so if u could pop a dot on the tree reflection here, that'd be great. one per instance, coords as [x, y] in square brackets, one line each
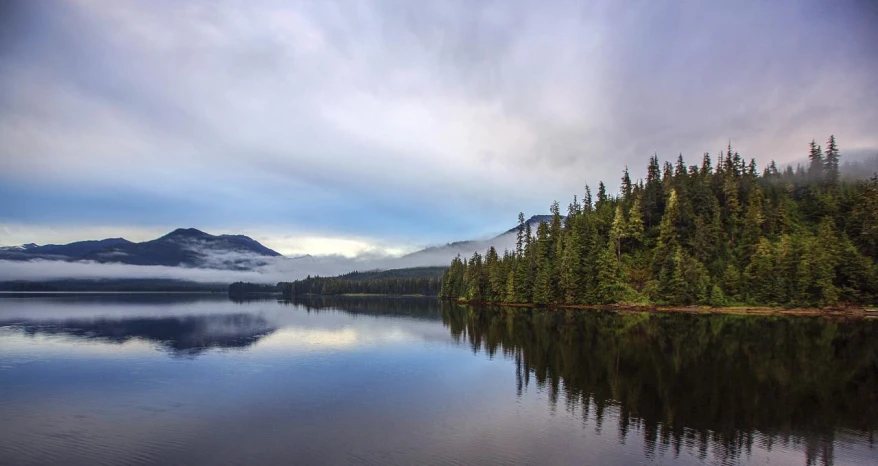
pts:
[694, 382]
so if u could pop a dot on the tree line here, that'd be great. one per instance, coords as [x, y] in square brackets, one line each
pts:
[695, 234]
[414, 281]
[243, 288]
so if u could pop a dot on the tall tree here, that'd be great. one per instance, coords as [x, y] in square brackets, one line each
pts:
[831, 164]
[815, 169]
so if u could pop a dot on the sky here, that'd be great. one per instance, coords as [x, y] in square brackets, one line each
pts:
[377, 128]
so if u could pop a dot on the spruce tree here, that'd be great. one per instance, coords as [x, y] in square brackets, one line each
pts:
[618, 230]
[816, 167]
[602, 196]
[625, 187]
[831, 163]
[609, 279]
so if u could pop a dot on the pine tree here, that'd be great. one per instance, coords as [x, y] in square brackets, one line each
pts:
[524, 271]
[519, 243]
[475, 279]
[634, 227]
[625, 187]
[510, 296]
[602, 195]
[672, 283]
[542, 290]
[830, 166]
[706, 165]
[668, 239]
[609, 278]
[754, 219]
[732, 283]
[760, 275]
[618, 230]
[587, 205]
[653, 194]
[815, 169]
[570, 274]
[496, 278]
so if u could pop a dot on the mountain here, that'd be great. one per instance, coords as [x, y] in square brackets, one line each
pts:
[23, 247]
[187, 247]
[442, 255]
[534, 222]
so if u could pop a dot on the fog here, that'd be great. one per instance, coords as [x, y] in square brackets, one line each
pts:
[261, 269]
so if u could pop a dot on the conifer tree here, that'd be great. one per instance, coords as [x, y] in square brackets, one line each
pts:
[587, 205]
[688, 235]
[519, 242]
[625, 187]
[831, 164]
[815, 169]
[668, 238]
[609, 278]
[571, 273]
[602, 195]
[653, 194]
[496, 278]
[634, 226]
[760, 275]
[618, 230]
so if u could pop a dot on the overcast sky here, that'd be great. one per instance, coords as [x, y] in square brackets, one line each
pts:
[355, 126]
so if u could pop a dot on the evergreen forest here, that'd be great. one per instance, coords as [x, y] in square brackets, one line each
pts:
[716, 235]
[412, 281]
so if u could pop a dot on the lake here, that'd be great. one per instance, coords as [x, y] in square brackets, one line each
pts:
[202, 379]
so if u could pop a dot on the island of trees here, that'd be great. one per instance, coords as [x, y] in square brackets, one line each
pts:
[695, 234]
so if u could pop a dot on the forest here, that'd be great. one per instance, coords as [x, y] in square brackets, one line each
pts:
[718, 235]
[424, 281]
[244, 288]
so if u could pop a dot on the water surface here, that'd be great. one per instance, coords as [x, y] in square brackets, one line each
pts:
[201, 379]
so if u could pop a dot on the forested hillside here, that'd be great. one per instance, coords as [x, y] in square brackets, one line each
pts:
[411, 281]
[695, 234]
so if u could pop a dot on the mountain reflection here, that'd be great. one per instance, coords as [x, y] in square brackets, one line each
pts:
[693, 381]
[180, 335]
[167, 320]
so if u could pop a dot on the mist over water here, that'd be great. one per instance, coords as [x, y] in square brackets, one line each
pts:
[260, 269]
[201, 379]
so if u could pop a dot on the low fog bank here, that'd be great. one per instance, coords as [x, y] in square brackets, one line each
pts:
[863, 165]
[264, 269]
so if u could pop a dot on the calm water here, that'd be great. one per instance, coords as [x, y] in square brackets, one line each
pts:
[186, 379]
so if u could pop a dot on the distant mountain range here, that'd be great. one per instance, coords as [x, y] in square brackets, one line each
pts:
[442, 255]
[186, 247]
[189, 247]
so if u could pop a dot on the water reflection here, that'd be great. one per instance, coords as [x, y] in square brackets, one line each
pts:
[180, 336]
[191, 324]
[718, 382]
[402, 381]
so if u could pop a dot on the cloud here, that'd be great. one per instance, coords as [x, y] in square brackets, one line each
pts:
[407, 122]
[214, 266]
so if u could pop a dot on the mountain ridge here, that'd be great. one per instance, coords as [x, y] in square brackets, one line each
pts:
[188, 247]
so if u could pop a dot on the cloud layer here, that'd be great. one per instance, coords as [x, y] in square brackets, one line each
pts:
[388, 125]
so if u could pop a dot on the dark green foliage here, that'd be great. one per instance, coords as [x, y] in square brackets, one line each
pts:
[696, 235]
[244, 288]
[113, 284]
[425, 281]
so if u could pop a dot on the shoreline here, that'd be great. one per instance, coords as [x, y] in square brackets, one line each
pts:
[849, 311]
